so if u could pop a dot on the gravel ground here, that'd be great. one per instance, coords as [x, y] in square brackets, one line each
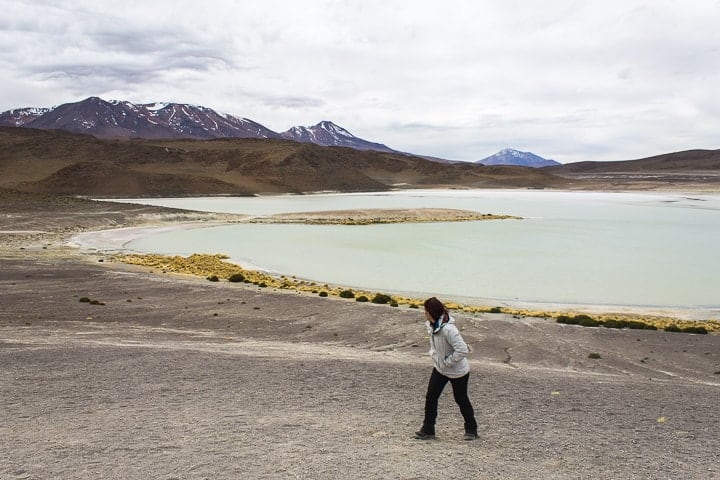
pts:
[179, 378]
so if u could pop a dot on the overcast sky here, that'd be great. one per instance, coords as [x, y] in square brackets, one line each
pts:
[567, 80]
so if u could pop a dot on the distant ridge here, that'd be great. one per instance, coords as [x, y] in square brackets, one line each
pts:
[688, 160]
[509, 156]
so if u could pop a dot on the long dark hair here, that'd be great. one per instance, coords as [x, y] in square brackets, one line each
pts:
[437, 310]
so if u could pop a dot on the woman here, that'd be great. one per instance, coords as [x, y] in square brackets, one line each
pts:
[448, 351]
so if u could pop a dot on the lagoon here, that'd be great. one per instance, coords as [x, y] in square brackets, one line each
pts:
[657, 250]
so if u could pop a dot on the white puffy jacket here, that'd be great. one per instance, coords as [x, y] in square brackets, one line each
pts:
[448, 350]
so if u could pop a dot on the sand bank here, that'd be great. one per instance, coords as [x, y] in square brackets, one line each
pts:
[380, 216]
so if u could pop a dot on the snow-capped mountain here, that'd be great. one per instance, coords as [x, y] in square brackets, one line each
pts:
[19, 117]
[119, 119]
[509, 156]
[328, 134]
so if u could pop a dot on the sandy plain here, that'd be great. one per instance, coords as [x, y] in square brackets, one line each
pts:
[171, 376]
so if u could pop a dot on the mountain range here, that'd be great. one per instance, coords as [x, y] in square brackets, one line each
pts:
[300, 159]
[120, 119]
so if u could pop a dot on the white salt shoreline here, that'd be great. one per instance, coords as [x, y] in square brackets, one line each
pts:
[116, 240]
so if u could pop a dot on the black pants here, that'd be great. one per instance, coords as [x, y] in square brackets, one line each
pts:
[435, 387]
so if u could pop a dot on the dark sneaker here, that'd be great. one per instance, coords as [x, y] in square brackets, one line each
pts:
[420, 435]
[470, 436]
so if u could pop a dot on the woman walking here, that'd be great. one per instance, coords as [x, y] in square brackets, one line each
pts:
[448, 351]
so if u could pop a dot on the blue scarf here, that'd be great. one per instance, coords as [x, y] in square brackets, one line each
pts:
[441, 322]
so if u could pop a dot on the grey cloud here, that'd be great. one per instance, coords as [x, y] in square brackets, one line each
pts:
[421, 126]
[195, 60]
[71, 41]
[85, 80]
[104, 69]
[125, 73]
[163, 45]
[294, 102]
[136, 42]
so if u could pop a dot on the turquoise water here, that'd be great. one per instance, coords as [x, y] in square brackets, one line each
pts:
[658, 250]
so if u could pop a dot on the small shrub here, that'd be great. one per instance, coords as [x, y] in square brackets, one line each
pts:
[236, 277]
[394, 304]
[613, 324]
[381, 298]
[594, 356]
[362, 298]
[566, 320]
[96, 302]
[323, 294]
[347, 294]
[586, 321]
[582, 320]
[414, 306]
[634, 325]
[262, 284]
[672, 328]
[496, 310]
[213, 278]
[698, 330]
[84, 300]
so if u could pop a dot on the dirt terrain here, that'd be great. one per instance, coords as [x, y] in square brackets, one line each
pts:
[162, 376]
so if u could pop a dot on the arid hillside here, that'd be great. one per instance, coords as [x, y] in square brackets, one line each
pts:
[58, 162]
[689, 160]
[691, 169]
[64, 163]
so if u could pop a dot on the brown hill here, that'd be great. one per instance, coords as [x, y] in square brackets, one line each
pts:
[63, 163]
[689, 161]
[691, 170]
[110, 179]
